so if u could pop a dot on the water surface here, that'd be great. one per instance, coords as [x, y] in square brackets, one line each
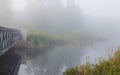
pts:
[57, 60]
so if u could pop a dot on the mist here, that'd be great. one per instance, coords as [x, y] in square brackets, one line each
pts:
[53, 16]
[96, 18]
[102, 17]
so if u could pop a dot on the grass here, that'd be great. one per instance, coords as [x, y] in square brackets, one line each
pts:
[39, 38]
[109, 66]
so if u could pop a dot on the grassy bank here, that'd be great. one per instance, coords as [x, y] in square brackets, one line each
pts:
[41, 39]
[110, 66]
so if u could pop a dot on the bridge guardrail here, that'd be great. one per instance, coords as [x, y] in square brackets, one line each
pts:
[8, 38]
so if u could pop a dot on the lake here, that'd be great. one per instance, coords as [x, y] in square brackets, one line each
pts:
[56, 60]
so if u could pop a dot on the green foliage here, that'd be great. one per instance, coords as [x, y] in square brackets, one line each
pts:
[39, 38]
[104, 67]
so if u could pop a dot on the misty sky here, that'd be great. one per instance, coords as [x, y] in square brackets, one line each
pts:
[97, 17]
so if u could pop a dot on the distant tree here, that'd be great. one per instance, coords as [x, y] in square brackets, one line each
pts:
[52, 16]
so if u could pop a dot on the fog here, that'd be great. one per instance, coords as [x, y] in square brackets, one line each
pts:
[98, 18]
[51, 16]
[103, 17]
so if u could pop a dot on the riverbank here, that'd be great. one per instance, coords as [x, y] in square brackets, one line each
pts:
[109, 66]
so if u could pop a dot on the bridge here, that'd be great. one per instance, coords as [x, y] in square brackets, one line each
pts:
[9, 64]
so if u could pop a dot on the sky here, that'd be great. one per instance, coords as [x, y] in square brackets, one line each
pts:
[100, 7]
[96, 17]
[89, 7]
[18, 5]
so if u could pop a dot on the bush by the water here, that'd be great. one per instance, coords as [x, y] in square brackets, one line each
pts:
[40, 39]
[109, 66]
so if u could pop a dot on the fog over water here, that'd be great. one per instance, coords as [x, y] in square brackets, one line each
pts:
[99, 18]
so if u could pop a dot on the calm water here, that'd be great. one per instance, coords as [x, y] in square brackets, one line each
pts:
[57, 60]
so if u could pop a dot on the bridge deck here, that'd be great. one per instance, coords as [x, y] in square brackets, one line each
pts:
[9, 62]
[9, 65]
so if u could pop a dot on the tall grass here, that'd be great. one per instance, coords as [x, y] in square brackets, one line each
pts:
[40, 38]
[109, 66]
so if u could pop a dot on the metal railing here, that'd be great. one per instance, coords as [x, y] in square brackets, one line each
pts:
[8, 38]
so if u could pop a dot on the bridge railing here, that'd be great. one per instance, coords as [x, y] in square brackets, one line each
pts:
[8, 38]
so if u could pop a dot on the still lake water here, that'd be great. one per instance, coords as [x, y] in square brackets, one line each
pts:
[57, 60]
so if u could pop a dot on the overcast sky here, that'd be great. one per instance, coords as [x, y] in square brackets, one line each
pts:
[101, 17]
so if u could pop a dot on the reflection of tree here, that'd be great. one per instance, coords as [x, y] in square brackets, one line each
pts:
[51, 15]
[51, 61]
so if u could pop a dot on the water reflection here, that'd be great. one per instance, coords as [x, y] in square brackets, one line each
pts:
[57, 60]
[23, 71]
